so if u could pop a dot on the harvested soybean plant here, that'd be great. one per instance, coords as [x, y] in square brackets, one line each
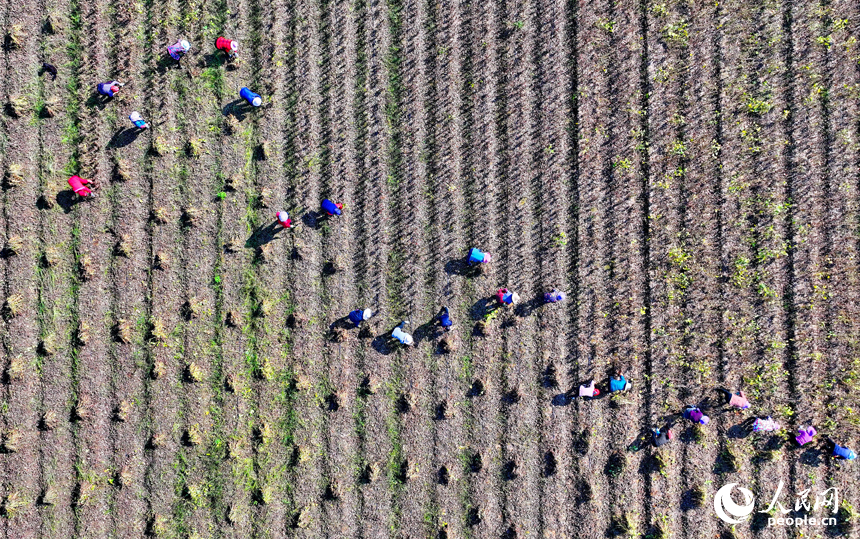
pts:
[429, 269]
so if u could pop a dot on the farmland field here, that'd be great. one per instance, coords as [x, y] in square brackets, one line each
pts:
[687, 171]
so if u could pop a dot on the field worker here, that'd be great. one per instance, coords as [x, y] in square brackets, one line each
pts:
[617, 382]
[229, 46]
[358, 316]
[284, 219]
[765, 425]
[401, 335]
[805, 434]
[506, 297]
[589, 391]
[477, 256]
[694, 414]
[662, 437]
[738, 400]
[445, 318]
[554, 296]
[78, 186]
[253, 99]
[138, 120]
[109, 88]
[842, 452]
[331, 208]
[178, 49]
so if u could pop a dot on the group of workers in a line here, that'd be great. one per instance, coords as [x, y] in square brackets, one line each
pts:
[176, 51]
[475, 256]
[662, 436]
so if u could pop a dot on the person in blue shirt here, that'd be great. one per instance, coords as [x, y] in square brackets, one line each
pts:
[477, 256]
[331, 208]
[360, 315]
[617, 382]
[445, 319]
[842, 452]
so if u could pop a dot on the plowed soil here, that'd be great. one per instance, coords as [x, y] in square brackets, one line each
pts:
[687, 172]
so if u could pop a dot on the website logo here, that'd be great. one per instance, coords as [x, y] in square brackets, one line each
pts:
[724, 505]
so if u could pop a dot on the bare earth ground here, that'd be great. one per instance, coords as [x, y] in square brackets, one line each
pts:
[686, 171]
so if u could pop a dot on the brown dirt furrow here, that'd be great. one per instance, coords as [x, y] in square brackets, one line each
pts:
[382, 498]
[599, 236]
[56, 449]
[275, 291]
[241, 360]
[844, 285]
[623, 303]
[198, 183]
[313, 373]
[129, 215]
[516, 472]
[556, 186]
[167, 294]
[19, 334]
[449, 117]
[701, 322]
[413, 229]
[482, 82]
[813, 266]
[91, 407]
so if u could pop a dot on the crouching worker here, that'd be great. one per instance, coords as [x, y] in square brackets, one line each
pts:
[738, 400]
[229, 46]
[138, 120]
[553, 297]
[359, 315]
[178, 49]
[477, 256]
[661, 437]
[617, 382]
[284, 219]
[506, 297]
[765, 425]
[445, 319]
[694, 414]
[842, 452]
[805, 435]
[79, 184]
[588, 391]
[401, 335]
[331, 208]
[109, 88]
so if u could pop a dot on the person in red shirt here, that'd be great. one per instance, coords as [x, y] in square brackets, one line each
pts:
[79, 184]
[284, 219]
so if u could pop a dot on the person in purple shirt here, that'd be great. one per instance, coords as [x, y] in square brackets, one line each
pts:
[694, 414]
[109, 88]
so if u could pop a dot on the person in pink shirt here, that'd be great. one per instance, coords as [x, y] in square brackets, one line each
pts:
[79, 186]
[738, 400]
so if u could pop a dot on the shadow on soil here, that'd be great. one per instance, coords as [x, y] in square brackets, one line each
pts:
[68, 199]
[123, 137]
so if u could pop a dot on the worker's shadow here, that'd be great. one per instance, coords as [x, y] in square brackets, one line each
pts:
[314, 219]
[427, 331]
[460, 266]
[527, 308]
[68, 199]
[238, 108]
[739, 431]
[385, 343]
[484, 307]
[123, 137]
[166, 62]
[263, 235]
[97, 101]
[642, 440]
